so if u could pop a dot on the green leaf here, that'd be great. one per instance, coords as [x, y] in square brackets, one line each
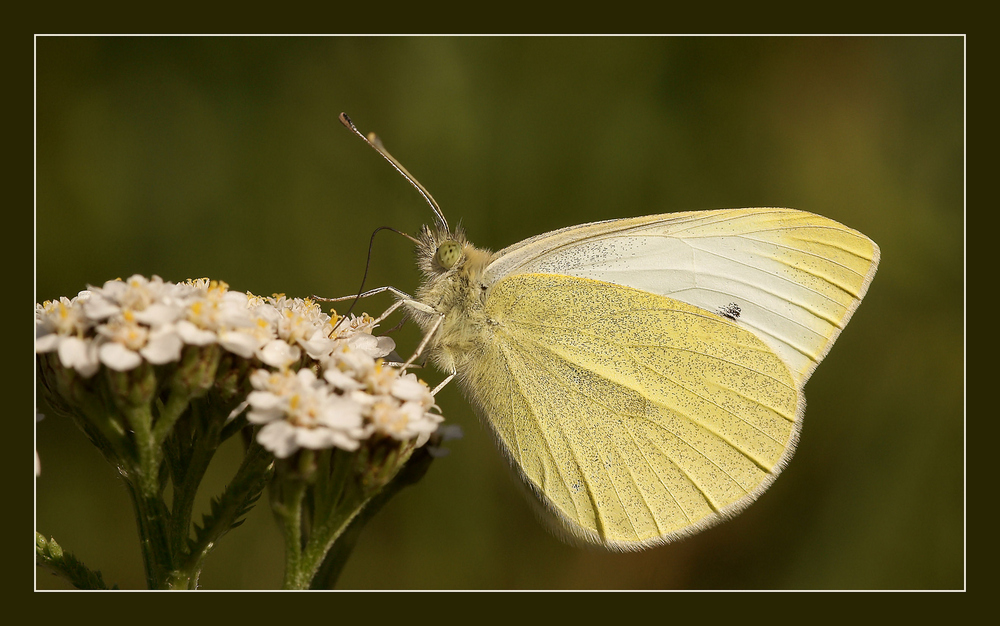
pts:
[51, 556]
[226, 512]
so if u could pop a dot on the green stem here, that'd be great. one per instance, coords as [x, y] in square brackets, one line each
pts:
[332, 477]
[291, 512]
[176, 404]
[323, 538]
[151, 518]
[184, 496]
[140, 419]
[205, 442]
[154, 517]
[336, 558]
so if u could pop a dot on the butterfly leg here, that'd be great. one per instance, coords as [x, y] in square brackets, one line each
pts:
[370, 292]
[389, 311]
[403, 298]
[423, 308]
[407, 300]
[444, 382]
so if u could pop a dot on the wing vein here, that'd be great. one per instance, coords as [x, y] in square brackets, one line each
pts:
[595, 336]
[603, 458]
[589, 487]
[643, 417]
[645, 458]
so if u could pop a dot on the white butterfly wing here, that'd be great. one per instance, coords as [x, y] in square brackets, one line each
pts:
[796, 277]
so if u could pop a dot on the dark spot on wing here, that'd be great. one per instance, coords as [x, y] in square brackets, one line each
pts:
[731, 310]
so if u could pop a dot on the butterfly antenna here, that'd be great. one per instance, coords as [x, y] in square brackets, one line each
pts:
[376, 143]
[368, 263]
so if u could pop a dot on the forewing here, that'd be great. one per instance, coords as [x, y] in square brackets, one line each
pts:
[795, 277]
[635, 417]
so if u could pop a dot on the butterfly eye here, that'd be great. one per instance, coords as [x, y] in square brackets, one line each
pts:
[448, 254]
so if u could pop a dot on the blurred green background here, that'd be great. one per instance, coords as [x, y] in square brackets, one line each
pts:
[223, 157]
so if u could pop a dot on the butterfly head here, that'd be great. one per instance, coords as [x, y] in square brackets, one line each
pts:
[448, 254]
[442, 254]
[440, 250]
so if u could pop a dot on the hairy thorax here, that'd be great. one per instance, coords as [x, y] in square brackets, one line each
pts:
[460, 295]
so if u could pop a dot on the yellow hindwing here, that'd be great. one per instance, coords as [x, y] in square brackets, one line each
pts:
[636, 417]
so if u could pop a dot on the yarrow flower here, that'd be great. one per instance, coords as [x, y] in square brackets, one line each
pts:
[323, 383]
[123, 323]
[396, 404]
[61, 326]
[300, 411]
[357, 397]
[160, 374]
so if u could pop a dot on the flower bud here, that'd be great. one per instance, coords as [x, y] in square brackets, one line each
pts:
[132, 388]
[197, 369]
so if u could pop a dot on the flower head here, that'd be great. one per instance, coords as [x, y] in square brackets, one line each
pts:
[300, 411]
[62, 326]
[341, 393]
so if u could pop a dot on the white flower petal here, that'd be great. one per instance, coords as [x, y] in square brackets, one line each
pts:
[88, 363]
[194, 336]
[279, 438]
[361, 397]
[358, 362]
[277, 353]
[235, 298]
[409, 388]
[260, 379]
[344, 442]
[163, 347]
[78, 354]
[240, 344]
[319, 345]
[264, 416]
[384, 346]
[158, 314]
[363, 342]
[306, 377]
[47, 343]
[268, 313]
[264, 400]
[341, 413]
[340, 380]
[111, 289]
[118, 357]
[314, 438]
[99, 308]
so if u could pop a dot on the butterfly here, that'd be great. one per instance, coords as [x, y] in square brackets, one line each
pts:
[643, 376]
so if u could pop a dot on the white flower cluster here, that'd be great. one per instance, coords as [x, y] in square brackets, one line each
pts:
[123, 323]
[355, 398]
